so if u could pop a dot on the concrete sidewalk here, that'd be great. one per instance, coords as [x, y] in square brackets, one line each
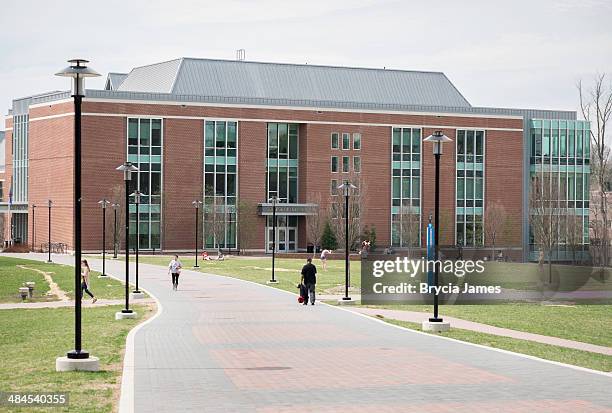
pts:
[226, 345]
[58, 304]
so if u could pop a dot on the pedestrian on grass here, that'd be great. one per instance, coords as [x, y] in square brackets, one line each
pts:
[309, 280]
[324, 255]
[85, 280]
[174, 269]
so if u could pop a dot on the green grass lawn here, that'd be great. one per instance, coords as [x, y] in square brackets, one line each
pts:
[586, 323]
[11, 278]
[32, 339]
[561, 354]
[287, 271]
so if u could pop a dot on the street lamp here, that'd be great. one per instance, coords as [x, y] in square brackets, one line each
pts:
[78, 71]
[346, 189]
[274, 201]
[137, 194]
[33, 228]
[49, 205]
[127, 168]
[104, 203]
[438, 138]
[115, 206]
[196, 205]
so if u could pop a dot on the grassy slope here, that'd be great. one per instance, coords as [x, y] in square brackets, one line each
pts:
[564, 355]
[32, 339]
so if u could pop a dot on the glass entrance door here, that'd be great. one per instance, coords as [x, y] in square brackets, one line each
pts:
[286, 236]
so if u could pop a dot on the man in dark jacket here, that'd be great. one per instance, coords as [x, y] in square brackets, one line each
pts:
[309, 280]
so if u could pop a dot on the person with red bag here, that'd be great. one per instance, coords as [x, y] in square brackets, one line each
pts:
[308, 282]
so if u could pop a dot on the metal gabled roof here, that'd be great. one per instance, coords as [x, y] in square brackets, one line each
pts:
[257, 80]
[114, 80]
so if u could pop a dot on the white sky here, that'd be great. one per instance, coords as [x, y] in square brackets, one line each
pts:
[511, 53]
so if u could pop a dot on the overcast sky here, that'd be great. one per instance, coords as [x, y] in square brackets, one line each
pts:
[511, 53]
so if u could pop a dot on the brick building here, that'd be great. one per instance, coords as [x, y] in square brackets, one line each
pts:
[234, 133]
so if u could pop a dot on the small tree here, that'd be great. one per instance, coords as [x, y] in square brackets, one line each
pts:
[409, 225]
[572, 232]
[315, 224]
[338, 211]
[215, 215]
[495, 221]
[328, 239]
[546, 214]
[247, 224]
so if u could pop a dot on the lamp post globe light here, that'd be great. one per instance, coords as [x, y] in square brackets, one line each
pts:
[78, 71]
[346, 188]
[196, 206]
[127, 168]
[104, 203]
[274, 201]
[436, 323]
[49, 205]
[115, 207]
[137, 194]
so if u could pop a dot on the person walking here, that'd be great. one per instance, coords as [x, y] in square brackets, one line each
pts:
[85, 280]
[324, 255]
[309, 280]
[174, 269]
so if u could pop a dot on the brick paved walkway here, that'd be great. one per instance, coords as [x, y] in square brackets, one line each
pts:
[225, 345]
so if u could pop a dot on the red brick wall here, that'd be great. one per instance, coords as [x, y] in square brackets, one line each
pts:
[51, 177]
[104, 140]
[182, 180]
[252, 143]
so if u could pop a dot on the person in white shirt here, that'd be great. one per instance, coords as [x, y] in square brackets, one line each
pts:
[174, 269]
[324, 255]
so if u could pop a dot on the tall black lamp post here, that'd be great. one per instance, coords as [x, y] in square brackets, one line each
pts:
[438, 138]
[33, 228]
[115, 207]
[137, 194]
[49, 205]
[127, 168]
[196, 206]
[103, 203]
[78, 71]
[346, 190]
[274, 201]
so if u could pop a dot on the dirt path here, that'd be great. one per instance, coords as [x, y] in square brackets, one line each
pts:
[53, 287]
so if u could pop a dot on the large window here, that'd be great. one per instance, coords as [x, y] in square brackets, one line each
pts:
[220, 183]
[406, 187]
[560, 157]
[470, 187]
[282, 162]
[334, 140]
[145, 151]
[20, 158]
[346, 141]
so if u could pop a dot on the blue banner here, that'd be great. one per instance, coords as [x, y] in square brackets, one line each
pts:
[430, 252]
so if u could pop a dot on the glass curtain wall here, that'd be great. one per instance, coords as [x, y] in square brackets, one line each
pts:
[20, 158]
[145, 143]
[470, 187]
[220, 183]
[560, 156]
[406, 187]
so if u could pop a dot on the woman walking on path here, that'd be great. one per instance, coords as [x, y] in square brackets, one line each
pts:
[85, 280]
[174, 268]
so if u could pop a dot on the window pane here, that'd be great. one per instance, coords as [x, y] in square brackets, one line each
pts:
[231, 134]
[346, 141]
[479, 142]
[397, 140]
[460, 188]
[345, 164]
[415, 187]
[155, 184]
[231, 184]
[210, 134]
[357, 164]
[334, 140]
[396, 187]
[145, 132]
[272, 140]
[133, 132]
[405, 187]
[469, 188]
[283, 141]
[478, 194]
[334, 164]
[293, 146]
[406, 144]
[156, 132]
[220, 135]
[469, 137]
[220, 184]
[461, 142]
[416, 141]
[356, 141]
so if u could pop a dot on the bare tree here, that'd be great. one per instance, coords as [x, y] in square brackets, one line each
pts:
[117, 196]
[495, 221]
[572, 231]
[409, 227]
[596, 107]
[247, 224]
[315, 224]
[215, 216]
[546, 214]
[355, 208]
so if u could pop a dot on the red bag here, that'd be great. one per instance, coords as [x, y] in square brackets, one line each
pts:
[300, 299]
